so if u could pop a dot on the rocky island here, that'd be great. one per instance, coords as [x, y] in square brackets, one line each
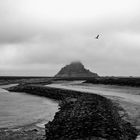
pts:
[75, 69]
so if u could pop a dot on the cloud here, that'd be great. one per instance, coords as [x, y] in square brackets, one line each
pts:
[37, 37]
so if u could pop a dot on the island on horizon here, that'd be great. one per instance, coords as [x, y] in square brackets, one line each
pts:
[75, 69]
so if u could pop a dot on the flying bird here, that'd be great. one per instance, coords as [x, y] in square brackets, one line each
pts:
[97, 37]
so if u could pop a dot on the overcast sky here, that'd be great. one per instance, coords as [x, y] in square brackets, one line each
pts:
[38, 37]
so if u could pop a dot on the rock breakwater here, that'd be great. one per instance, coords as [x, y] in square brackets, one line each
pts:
[82, 115]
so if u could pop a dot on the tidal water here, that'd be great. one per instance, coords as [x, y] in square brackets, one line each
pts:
[19, 109]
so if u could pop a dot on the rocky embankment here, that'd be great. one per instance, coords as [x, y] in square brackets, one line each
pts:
[83, 116]
[134, 82]
[5, 80]
[49, 92]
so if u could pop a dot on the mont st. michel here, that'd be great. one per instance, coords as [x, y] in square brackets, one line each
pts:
[75, 69]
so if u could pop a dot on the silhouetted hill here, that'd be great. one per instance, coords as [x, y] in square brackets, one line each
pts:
[75, 69]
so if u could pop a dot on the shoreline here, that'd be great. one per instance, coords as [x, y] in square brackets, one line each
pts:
[29, 131]
[34, 131]
[132, 107]
[56, 93]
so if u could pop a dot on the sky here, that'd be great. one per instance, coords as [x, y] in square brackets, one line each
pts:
[38, 37]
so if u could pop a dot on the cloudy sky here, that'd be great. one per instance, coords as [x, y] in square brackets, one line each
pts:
[38, 37]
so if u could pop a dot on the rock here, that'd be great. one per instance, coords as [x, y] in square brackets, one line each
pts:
[75, 69]
[90, 117]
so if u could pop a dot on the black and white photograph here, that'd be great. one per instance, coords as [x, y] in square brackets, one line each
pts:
[69, 69]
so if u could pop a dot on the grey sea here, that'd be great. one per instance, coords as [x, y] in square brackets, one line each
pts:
[19, 109]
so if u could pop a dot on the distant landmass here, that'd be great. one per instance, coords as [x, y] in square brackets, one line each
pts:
[75, 69]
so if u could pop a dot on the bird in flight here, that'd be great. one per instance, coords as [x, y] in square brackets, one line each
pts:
[97, 37]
